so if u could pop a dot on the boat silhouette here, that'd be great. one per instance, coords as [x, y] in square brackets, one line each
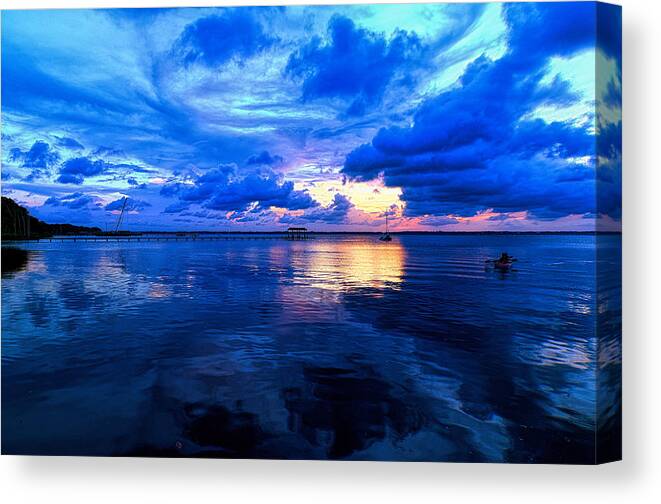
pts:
[386, 236]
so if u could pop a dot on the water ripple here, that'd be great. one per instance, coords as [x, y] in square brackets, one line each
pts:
[338, 347]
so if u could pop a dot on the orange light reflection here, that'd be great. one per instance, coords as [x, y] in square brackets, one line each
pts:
[350, 264]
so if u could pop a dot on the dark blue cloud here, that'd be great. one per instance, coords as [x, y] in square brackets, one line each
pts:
[222, 189]
[39, 158]
[72, 201]
[66, 178]
[133, 182]
[613, 94]
[83, 166]
[507, 185]
[264, 158]
[40, 155]
[474, 147]
[609, 141]
[335, 213]
[266, 190]
[170, 189]
[540, 30]
[609, 135]
[204, 186]
[131, 204]
[236, 34]
[74, 170]
[356, 64]
[609, 30]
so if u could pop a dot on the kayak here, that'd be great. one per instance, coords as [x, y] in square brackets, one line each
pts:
[503, 263]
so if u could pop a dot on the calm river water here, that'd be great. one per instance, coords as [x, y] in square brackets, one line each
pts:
[339, 347]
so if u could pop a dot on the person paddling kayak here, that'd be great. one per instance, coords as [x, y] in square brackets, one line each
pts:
[504, 262]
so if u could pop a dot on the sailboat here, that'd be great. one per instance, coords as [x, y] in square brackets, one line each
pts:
[122, 217]
[386, 236]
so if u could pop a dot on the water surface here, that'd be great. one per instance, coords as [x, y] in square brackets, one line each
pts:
[340, 347]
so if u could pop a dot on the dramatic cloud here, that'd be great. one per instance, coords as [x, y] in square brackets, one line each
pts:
[221, 189]
[131, 205]
[66, 178]
[39, 158]
[73, 201]
[355, 64]
[477, 147]
[40, 155]
[609, 108]
[609, 34]
[235, 34]
[74, 170]
[337, 212]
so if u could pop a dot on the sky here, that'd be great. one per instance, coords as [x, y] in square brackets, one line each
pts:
[449, 117]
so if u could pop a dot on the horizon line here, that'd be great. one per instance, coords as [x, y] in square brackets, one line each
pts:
[587, 232]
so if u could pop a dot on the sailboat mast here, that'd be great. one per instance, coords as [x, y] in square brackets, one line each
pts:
[121, 214]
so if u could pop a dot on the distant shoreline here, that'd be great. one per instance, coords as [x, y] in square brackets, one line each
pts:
[19, 225]
[527, 233]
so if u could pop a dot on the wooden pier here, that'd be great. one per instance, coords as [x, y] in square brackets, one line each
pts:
[163, 238]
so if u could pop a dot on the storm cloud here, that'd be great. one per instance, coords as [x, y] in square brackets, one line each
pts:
[235, 34]
[478, 146]
[74, 170]
[222, 189]
[356, 64]
[72, 201]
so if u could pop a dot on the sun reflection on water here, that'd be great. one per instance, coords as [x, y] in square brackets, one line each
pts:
[344, 265]
[159, 289]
